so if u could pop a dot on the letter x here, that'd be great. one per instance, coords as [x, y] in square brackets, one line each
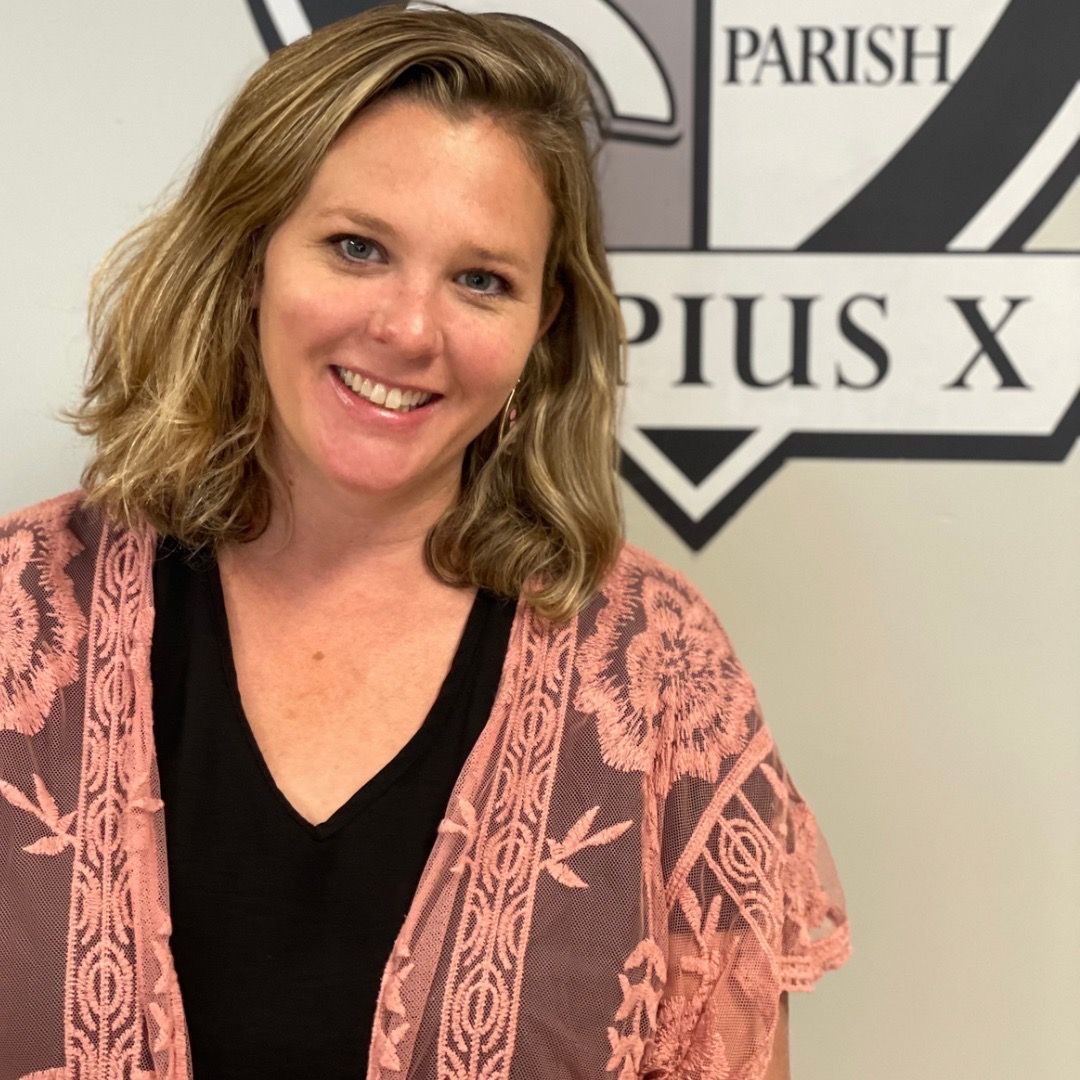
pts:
[988, 341]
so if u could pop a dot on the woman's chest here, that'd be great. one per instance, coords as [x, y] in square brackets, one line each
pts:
[328, 712]
[335, 677]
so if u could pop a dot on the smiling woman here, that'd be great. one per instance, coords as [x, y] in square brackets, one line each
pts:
[342, 734]
[177, 354]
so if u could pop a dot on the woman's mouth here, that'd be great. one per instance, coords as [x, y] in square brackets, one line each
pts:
[393, 398]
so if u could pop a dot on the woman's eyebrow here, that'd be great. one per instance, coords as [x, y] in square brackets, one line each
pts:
[361, 220]
[505, 258]
[377, 224]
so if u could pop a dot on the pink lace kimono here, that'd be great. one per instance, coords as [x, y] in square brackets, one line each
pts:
[625, 879]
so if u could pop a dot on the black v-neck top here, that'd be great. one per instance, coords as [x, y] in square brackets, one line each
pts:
[281, 928]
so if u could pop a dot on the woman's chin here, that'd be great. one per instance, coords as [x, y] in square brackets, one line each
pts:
[374, 485]
[368, 471]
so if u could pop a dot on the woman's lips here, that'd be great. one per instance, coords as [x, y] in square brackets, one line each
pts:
[394, 406]
[381, 390]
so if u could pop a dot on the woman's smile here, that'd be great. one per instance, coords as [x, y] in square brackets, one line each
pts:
[385, 394]
[391, 413]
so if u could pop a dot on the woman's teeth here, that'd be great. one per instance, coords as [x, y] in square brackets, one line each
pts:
[394, 398]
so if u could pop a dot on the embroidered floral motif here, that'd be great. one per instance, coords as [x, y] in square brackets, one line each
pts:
[689, 1045]
[467, 827]
[640, 1003]
[41, 626]
[705, 1053]
[47, 812]
[576, 839]
[385, 1042]
[659, 661]
[690, 1025]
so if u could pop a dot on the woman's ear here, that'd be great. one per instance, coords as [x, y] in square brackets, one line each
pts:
[552, 304]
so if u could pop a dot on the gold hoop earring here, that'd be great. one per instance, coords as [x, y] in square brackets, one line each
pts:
[509, 415]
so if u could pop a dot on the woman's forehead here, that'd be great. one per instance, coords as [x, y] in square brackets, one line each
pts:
[404, 159]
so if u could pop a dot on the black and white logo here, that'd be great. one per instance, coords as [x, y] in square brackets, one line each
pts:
[829, 236]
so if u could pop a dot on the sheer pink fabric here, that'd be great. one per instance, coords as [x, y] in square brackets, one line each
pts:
[625, 880]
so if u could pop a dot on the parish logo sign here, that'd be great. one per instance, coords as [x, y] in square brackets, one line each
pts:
[826, 234]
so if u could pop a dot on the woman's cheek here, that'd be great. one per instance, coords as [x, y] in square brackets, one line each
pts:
[319, 318]
[493, 351]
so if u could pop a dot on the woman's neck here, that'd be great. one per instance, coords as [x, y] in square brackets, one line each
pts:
[319, 535]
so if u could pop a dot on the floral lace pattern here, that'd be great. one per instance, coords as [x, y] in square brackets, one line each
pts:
[44, 808]
[576, 840]
[41, 626]
[631, 731]
[660, 661]
[638, 1009]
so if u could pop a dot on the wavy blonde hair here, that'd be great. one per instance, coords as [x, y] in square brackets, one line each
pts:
[176, 398]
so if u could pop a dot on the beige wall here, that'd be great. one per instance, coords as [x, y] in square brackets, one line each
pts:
[912, 627]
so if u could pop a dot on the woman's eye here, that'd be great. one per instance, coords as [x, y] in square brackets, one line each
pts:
[482, 281]
[356, 248]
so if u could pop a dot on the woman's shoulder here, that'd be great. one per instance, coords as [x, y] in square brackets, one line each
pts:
[659, 672]
[63, 520]
[636, 560]
[48, 547]
[641, 583]
[42, 548]
[49, 513]
[46, 534]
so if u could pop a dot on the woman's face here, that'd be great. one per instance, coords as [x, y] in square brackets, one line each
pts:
[400, 300]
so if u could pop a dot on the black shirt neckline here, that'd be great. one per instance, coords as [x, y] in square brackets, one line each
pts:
[418, 744]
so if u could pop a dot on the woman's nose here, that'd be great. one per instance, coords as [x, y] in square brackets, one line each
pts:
[407, 321]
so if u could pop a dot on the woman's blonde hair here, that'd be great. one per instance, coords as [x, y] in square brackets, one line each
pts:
[176, 398]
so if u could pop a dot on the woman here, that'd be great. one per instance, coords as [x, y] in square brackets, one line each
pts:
[338, 728]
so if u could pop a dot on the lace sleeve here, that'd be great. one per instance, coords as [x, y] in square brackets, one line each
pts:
[742, 897]
[753, 908]
[753, 905]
